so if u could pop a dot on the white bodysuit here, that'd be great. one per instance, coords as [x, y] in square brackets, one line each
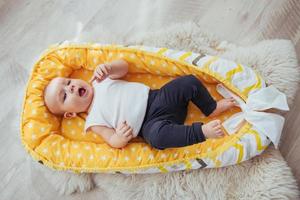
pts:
[115, 101]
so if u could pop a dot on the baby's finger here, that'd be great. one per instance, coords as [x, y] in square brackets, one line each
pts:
[130, 137]
[103, 67]
[125, 128]
[128, 132]
[121, 125]
[123, 122]
[98, 75]
[99, 71]
[92, 79]
[99, 78]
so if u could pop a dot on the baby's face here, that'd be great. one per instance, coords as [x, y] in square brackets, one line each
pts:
[68, 95]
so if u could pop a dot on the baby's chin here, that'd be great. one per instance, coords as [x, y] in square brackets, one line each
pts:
[89, 97]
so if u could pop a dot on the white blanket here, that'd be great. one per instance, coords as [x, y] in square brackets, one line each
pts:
[252, 111]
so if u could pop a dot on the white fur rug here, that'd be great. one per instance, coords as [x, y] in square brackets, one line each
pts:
[264, 177]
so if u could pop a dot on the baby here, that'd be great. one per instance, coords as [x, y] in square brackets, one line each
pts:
[119, 110]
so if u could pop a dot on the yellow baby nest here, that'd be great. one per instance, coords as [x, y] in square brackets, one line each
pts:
[60, 143]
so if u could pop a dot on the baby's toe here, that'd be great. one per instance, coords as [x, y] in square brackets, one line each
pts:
[217, 128]
[232, 100]
[217, 122]
[213, 123]
[219, 132]
[228, 100]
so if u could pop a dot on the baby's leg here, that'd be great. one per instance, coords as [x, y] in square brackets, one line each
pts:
[189, 88]
[163, 134]
[167, 134]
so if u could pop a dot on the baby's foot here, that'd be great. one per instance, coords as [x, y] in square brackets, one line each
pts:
[223, 105]
[212, 129]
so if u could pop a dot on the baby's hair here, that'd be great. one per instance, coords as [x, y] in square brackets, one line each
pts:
[44, 92]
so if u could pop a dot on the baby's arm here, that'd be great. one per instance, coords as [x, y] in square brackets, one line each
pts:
[115, 138]
[119, 69]
[114, 70]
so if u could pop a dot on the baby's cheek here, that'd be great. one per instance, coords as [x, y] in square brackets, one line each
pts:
[79, 103]
[76, 102]
[72, 103]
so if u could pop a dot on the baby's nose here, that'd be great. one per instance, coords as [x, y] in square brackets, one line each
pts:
[71, 88]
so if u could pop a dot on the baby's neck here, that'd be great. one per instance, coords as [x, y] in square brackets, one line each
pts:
[90, 106]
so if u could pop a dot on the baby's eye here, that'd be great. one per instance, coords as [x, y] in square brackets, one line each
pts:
[69, 82]
[65, 96]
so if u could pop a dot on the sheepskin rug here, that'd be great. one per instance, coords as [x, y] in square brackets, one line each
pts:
[266, 176]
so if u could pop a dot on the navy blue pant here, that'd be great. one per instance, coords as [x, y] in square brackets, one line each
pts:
[163, 125]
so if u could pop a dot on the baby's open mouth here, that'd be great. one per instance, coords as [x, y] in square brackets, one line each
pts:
[81, 92]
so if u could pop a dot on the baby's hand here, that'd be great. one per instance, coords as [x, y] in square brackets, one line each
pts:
[124, 132]
[101, 72]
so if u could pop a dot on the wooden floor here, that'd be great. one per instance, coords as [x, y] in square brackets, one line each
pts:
[27, 27]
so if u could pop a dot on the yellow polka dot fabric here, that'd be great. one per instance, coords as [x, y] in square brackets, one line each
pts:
[60, 143]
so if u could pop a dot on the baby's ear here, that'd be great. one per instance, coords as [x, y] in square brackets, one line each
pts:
[69, 115]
